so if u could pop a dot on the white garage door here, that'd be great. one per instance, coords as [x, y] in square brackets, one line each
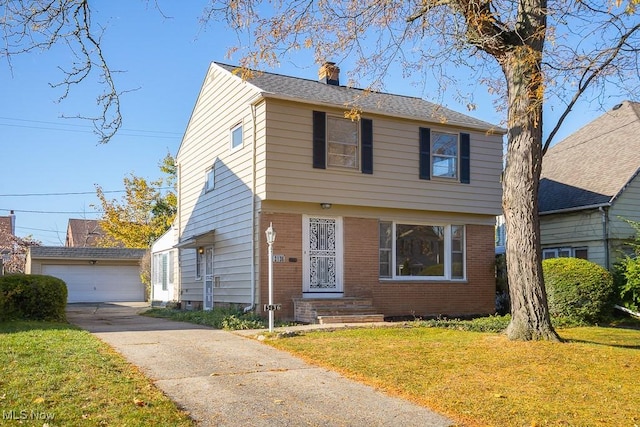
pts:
[99, 283]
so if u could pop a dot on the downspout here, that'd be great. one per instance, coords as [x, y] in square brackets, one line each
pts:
[605, 234]
[252, 306]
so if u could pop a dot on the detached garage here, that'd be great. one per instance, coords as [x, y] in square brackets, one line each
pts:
[91, 274]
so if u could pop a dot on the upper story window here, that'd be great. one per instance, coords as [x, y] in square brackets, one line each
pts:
[342, 142]
[210, 179]
[444, 155]
[236, 137]
[419, 251]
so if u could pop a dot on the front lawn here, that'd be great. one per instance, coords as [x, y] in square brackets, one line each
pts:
[57, 375]
[483, 379]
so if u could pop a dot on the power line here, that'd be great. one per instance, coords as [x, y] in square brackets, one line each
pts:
[53, 212]
[89, 131]
[71, 193]
[40, 229]
[80, 126]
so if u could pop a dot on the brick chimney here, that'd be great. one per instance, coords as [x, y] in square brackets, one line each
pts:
[329, 74]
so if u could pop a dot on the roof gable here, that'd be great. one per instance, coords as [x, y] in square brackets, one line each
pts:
[83, 232]
[593, 165]
[317, 92]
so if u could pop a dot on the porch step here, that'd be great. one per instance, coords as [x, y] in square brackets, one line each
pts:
[336, 310]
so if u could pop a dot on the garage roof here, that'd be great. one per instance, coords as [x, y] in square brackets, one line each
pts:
[57, 252]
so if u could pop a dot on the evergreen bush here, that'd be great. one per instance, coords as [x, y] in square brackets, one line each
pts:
[578, 290]
[32, 297]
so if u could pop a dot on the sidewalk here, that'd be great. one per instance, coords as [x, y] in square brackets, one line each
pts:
[225, 379]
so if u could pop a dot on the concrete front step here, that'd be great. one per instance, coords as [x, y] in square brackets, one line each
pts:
[350, 318]
[336, 310]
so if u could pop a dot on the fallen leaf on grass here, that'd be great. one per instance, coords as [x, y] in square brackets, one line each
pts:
[139, 402]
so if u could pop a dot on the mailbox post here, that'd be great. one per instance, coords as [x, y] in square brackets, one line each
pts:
[271, 237]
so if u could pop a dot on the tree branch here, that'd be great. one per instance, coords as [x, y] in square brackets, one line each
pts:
[589, 74]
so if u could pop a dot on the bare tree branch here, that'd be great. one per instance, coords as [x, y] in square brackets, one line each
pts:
[596, 67]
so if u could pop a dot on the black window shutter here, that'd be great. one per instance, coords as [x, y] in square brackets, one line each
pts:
[366, 138]
[465, 158]
[319, 140]
[425, 153]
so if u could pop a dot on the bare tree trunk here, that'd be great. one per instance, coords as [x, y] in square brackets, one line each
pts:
[529, 309]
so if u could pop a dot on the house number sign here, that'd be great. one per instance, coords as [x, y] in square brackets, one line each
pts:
[272, 307]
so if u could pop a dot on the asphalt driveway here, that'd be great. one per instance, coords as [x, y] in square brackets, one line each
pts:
[224, 379]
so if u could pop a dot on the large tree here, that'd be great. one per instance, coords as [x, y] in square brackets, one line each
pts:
[528, 52]
[145, 212]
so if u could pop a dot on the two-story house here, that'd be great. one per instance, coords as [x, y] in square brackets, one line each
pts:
[589, 188]
[394, 209]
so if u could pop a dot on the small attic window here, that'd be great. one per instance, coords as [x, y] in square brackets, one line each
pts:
[236, 137]
[210, 179]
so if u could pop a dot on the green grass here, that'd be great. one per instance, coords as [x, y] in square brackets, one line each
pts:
[483, 379]
[56, 374]
[219, 318]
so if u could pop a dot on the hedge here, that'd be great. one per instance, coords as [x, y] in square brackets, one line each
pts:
[577, 290]
[32, 297]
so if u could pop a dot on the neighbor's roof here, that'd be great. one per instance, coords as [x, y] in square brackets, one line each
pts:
[83, 232]
[58, 252]
[592, 166]
[316, 92]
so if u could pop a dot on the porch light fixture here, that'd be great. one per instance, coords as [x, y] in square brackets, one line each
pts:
[271, 237]
[325, 205]
[200, 250]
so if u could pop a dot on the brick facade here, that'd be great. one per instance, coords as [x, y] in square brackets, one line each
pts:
[392, 298]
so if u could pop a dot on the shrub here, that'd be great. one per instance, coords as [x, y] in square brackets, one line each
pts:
[32, 297]
[578, 290]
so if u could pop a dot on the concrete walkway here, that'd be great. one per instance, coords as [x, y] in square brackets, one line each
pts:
[224, 379]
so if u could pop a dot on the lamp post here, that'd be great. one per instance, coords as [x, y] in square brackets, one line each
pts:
[271, 237]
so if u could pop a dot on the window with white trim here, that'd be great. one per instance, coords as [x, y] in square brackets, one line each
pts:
[581, 252]
[444, 155]
[413, 251]
[236, 137]
[342, 142]
[210, 179]
[198, 265]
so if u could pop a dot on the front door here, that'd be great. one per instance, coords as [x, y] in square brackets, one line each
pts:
[208, 279]
[322, 257]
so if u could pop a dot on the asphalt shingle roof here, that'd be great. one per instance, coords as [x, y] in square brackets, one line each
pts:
[593, 165]
[316, 92]
[85, 253]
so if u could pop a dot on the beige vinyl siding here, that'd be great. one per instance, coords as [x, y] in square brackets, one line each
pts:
[581, 229]
[625, 207]
[394, 183]
[224, 101]
[410, 216]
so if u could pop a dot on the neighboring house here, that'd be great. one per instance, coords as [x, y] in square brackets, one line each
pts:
[394, 211]
[83, 233]
[589, 186]
[91, 274]
[164, 271]
[7, 232]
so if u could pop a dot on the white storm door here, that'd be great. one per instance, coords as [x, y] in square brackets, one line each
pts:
[208, 279]
[322, 257]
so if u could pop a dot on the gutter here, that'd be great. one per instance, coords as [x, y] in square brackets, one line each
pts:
[605, 234]
[252, 306]
[577, 208]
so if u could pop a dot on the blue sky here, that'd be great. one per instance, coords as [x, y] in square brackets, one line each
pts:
[48, 160]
